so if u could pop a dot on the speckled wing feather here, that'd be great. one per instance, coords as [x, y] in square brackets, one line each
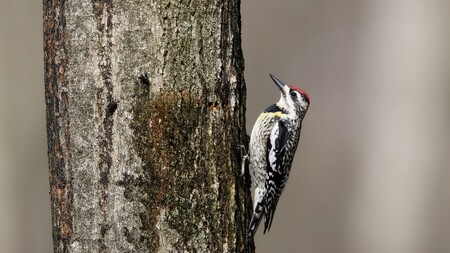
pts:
[277, 174]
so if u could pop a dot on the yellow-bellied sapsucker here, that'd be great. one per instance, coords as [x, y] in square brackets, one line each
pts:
[273, 143]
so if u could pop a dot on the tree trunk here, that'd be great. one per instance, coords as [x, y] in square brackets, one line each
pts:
[141, 164]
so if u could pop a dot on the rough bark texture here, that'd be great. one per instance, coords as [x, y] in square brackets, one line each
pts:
[137, 164]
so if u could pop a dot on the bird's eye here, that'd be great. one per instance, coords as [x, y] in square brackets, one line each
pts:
[293, 94]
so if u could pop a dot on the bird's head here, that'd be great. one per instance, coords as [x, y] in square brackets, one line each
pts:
[292, 98]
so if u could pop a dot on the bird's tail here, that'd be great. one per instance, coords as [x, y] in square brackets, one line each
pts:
[258, 212]
[256, 219]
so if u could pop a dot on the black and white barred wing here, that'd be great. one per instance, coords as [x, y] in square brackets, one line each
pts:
[277, 174]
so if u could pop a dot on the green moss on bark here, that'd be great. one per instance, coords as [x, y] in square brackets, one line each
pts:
[187, 165]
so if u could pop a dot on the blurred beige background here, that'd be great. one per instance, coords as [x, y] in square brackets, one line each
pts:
[372, 174]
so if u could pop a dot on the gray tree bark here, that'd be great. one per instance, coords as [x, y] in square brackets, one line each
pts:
[146, 164]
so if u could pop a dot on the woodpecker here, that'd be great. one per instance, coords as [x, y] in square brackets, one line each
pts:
[273, 143]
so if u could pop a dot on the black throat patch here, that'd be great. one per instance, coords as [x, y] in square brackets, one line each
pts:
[274, 108]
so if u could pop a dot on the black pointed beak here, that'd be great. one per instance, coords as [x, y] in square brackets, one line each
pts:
[278, 82]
